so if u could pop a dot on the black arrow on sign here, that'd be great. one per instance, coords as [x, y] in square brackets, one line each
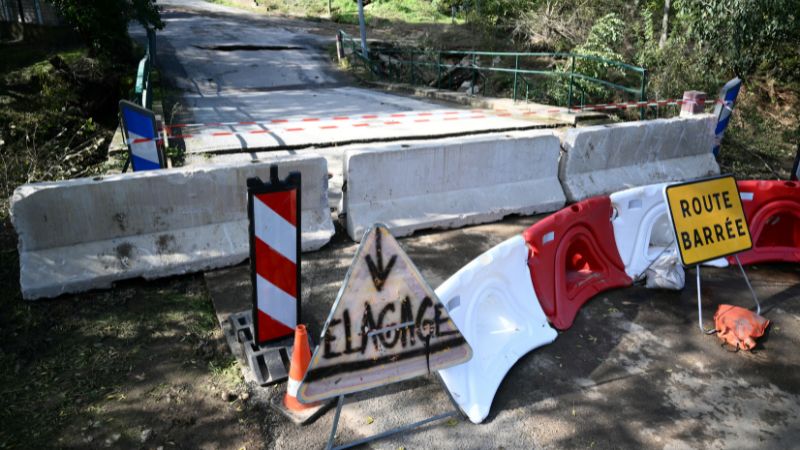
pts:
[379, 273]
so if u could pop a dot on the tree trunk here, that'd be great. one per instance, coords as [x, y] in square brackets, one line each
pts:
[21, 11]
[362, 28]
[664, 25]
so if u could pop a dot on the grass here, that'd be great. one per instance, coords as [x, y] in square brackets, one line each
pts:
[763, 136]
[45, 43]
[57, 111]
[69, 362]
[408, 11]
[346, 11]
[61, 360]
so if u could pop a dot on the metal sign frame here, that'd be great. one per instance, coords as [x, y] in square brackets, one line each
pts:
[254, 187]
[700, 296]
[796, 167]
[697, 264]
[125, 104]
[387, 433]
[675, 228]
[379, 269]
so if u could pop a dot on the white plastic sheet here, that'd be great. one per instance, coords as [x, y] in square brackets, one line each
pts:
[666, 272]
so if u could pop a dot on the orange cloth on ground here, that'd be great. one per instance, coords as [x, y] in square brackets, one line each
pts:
[739, 327]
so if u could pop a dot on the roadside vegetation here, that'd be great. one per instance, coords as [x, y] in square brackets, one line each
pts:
[134, 367]
[57, 109]
[59, 89]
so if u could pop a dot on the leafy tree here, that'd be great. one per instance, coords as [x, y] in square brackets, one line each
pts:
[742, 35]
[103, 24]
[605, 40]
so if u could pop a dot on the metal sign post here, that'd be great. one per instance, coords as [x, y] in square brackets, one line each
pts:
[699, 296]
[362, 26]
[386, 325]
[709, 222]
[375, 437]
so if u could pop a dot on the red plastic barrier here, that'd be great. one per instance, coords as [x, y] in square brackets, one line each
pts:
[772, 209]
[572, 257]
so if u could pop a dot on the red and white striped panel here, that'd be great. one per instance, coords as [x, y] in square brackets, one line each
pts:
[275, 241]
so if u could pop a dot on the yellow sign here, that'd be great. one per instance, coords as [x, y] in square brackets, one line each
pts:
[708, 219]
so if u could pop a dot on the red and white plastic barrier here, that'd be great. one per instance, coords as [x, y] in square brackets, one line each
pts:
[772, 209]
[642, 230]
[573, 256]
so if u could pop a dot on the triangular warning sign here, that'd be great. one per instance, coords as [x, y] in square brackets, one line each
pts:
[386, 325]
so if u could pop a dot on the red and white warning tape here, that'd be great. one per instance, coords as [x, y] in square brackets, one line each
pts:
[194, 130]
[369, 120]
[642, 104]
[422, 116]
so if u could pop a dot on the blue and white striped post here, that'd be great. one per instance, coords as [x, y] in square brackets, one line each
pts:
[139, 126]
[724, 109]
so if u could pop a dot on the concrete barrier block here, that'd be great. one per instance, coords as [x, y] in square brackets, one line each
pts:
[607, 158]
[86, 233]
[450, 183]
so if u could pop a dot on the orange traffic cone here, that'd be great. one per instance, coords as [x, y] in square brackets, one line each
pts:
[301, 357]
[288, 404]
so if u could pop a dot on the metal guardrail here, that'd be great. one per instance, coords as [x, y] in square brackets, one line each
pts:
[414, 62]
[142, 91]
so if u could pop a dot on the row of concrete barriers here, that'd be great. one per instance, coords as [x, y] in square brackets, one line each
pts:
[456, 182]
[81, 234]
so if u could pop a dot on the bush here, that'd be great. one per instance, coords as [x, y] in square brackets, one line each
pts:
[103, 24]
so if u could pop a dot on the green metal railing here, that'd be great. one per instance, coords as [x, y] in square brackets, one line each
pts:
[142, 91]
[413, 66]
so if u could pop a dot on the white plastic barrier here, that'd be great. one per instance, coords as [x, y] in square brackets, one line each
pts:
[607, 158]
[493, 303]
[450, 183]
[86, 233]
[642, 229]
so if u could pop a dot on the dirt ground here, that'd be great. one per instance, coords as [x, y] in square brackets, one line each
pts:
[139, 366]
[145, 365]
